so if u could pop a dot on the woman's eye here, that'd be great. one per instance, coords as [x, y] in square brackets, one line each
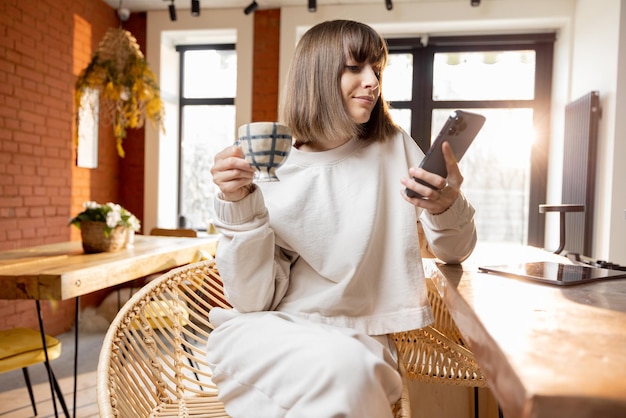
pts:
[353, 68]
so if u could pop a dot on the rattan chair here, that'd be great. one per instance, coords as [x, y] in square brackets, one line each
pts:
[144, 372]
[438, 353]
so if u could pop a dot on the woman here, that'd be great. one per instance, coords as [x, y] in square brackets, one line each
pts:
[324, 264]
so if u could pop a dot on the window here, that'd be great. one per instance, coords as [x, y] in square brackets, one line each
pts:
[505, 78]
[208, 88]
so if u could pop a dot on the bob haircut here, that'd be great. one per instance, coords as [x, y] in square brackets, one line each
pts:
[312, 105]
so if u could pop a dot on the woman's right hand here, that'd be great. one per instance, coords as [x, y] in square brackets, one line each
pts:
[232, 174]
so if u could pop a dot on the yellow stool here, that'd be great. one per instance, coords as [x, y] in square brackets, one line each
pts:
[22, 347]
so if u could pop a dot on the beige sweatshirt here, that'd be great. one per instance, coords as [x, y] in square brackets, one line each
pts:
[333, 241]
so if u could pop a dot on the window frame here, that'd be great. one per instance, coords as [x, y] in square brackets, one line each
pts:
[184, 101]
[422, 103]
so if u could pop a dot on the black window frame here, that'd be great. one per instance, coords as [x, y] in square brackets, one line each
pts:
[422, 103]
[184, 101]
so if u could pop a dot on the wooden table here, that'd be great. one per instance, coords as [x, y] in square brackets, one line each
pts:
[547, 351]
[63, 271]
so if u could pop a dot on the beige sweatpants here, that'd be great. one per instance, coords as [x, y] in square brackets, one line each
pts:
[271, 365]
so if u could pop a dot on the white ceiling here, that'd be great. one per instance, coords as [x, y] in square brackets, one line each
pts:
[145, 5]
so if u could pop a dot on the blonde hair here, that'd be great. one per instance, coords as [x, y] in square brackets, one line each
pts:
[312, 104]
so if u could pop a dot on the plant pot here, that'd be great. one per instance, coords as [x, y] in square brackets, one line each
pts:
[94, 240]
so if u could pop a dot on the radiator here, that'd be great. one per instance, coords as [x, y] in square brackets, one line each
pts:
[579, 170]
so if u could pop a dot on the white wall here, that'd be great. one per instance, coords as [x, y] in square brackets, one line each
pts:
[587, 39]
[617, 227]
[598, 63]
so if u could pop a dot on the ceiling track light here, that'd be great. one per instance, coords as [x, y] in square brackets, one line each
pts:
[251, 8]
[388, 4]
[312, 5]
[172, 9]
[195, 7]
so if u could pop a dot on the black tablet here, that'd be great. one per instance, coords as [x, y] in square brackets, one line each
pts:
[555, 273]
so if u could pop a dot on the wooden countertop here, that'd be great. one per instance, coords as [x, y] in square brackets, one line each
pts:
[547, 351]
[62, 271]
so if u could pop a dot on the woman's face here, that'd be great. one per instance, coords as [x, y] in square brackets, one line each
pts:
[360, 89]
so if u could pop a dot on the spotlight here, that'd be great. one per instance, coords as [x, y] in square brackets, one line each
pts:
[312, 5]
[122, 12]
[475, 3]
[172, 12]
[251, 8]
[388, 4]
[195, 7]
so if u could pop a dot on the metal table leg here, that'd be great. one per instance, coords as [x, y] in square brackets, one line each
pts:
[51, 378]
[76, 315]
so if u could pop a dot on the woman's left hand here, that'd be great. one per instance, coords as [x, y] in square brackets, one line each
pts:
[435, 201]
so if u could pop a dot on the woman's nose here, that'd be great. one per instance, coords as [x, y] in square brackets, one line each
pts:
[370, 77]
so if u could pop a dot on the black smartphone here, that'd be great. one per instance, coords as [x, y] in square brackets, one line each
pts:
[459, 131]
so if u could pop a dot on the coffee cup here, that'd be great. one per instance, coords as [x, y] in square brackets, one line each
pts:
[266, 146]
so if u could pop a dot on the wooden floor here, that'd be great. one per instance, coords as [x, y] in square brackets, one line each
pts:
[16, 404]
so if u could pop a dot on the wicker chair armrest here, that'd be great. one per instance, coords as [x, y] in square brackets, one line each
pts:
[152, 364]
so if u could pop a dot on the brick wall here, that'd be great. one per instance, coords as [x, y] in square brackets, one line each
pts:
[265, 64]
[44, 45]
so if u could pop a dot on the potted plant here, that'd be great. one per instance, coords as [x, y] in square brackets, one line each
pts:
[127, 88]
[105, 227]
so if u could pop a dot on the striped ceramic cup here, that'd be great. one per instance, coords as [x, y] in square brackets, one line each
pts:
[265, 145]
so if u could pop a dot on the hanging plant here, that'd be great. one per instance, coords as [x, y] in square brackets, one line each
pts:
[127, 88]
